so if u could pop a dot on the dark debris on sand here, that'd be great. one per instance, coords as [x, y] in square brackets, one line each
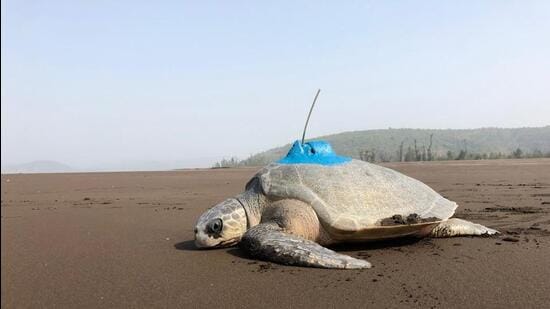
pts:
[410, 219]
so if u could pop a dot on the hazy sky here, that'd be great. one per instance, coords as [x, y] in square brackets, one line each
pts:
[98, 82]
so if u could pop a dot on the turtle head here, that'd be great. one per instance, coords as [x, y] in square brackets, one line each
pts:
[221, 226]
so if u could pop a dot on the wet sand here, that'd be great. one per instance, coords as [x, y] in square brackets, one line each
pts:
[126, 240]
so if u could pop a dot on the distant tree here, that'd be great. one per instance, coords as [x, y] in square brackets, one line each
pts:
[464, 152]
[416, 153]
[537, 154]
[367, 155]
[450, 155]
[410, 155]
[232, 162]
[430, 155]
[385, 157]
[424, 154]
[517, 153]
[401, 154]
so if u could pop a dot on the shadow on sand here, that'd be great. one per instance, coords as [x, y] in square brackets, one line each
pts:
[189, 245]
[377, 244]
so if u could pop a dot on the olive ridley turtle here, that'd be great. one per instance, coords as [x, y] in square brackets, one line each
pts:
[312, 198]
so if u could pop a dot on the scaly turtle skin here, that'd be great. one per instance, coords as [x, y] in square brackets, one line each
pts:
[312, 198]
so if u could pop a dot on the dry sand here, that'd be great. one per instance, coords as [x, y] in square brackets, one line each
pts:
[126, 240]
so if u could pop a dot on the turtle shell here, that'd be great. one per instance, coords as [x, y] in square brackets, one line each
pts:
[356, 199]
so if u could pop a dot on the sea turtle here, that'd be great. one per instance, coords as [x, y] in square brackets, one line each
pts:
[312, 198]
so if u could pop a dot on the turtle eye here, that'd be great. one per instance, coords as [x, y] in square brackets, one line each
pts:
[215, 226]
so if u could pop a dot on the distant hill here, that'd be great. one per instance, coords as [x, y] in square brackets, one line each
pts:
[385, 145]
[37, 167]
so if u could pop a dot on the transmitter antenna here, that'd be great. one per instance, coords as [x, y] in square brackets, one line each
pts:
[309, 115]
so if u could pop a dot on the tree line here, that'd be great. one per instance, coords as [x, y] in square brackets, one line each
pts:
[416, 152]
[408, 150]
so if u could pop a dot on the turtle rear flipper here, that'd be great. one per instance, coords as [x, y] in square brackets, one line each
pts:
[459, 227]
[268, 241]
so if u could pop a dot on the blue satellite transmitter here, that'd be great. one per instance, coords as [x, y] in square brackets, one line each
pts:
[314, 152]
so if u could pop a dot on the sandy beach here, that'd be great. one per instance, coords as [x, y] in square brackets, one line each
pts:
[88, 240]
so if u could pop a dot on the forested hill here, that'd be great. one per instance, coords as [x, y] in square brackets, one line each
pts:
[399, 145]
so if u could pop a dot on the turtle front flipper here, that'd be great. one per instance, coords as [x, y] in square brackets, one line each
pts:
[268, 241]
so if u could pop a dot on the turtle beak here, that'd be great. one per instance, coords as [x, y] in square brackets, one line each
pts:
[228, 243]
[206, 242]
[201, 241]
